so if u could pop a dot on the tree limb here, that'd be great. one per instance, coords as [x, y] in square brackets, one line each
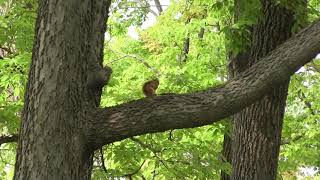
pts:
[289, 141]
[8, 139]
[315, 66]
[165, 112]
[129, 175]
[7, 50]
[145, 4]
[103, 166]
[158, 5]
[136, 58]
[146, 146]
[303, 98]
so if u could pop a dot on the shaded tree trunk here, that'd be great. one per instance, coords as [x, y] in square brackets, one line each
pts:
[68, 49]
[257, 128]
[237, 63]
[227, 154]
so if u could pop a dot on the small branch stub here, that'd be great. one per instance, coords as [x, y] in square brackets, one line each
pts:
[99, 78]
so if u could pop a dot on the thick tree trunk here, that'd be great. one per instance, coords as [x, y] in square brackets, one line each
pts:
[257, 129]
[68, 48]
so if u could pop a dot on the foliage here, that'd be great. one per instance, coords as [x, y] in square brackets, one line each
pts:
[16, 28]
[191, 153]
[302, 122]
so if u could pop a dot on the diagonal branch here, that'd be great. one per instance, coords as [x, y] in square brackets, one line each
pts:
[145, 4]
[103, 166]
[315, 66]
[136, 58]
[308, 105]
[158, 5]
[165, 112]
[129, 175]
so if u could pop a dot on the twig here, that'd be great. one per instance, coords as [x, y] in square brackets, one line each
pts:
[315, 67]
[171, 135]
[136, 58]
[8, 50]
[158, 5]
[103, 166]
[154, 172]
[122, 57]
[303, 97]
[144, 145]
[289, 141]
[168, 168]
[147, 6]
[129, 175]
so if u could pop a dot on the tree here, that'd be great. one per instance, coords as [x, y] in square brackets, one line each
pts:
[62, 124]
[257, 128]
[81, 50]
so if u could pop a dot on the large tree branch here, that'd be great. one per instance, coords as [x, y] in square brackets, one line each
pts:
[167, 112]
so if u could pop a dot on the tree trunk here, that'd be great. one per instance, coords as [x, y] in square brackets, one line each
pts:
[68, 49]
[236, 65]
[257, 128]
[227, 154]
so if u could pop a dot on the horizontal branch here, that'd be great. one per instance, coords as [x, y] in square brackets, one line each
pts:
[165, 112]
[8, 139]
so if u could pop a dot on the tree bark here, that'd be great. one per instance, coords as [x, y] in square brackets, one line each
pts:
[68, 48]
[236, 66]
[237, 63]
[257, 128]
[62, 125]
[227, 154]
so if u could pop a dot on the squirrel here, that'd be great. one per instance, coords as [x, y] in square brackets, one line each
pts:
[149, 88]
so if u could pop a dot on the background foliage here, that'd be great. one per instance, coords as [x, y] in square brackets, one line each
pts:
[157, 51]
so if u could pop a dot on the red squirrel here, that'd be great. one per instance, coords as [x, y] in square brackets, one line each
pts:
[149, 88]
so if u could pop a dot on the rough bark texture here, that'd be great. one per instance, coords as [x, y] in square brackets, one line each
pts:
[257, 128]
[68, 48]
[227, 154]
[237, 63]
[236, 66]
